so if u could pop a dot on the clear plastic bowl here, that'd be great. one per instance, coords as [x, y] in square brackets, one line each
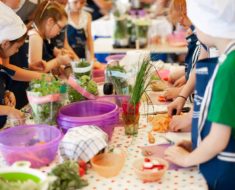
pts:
[37, 144]
[90, 112]
[108, 164]
[149, 175]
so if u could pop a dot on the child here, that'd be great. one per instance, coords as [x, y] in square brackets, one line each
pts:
[214, 138]
[79, 30]
[50, 17]
[12, 36]
[178, 14]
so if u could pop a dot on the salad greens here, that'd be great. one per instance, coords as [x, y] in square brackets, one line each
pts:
[45, 112]
[67, 177]
[86, 83]
[82, 64]
[18, 185]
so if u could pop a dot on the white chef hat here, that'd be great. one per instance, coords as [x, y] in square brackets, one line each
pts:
[213, 17]
[11, 26]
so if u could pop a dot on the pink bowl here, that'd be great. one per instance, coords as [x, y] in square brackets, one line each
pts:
[37, 144]
[116, 57]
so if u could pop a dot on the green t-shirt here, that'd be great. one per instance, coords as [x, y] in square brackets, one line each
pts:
[222, 106]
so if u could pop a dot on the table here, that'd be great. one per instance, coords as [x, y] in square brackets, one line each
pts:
[188, 179]
[105, 45]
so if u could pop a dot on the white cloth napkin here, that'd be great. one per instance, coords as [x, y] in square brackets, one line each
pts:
[82, 143]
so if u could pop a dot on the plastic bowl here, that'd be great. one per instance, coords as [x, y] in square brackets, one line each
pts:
[37, 144]
[149, 175]
[91, 112]
[108, 164]
[22, 174]
[115, 57]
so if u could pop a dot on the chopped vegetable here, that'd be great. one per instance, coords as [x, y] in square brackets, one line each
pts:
[67, 177]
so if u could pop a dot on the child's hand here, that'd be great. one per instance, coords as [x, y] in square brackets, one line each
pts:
[9, 99]
[180, 82]
[171, 93]
[15, 114]
[177, 105]
[180, 123]
[187, 145]
[40, 66]
[177, 155]
[64, 59]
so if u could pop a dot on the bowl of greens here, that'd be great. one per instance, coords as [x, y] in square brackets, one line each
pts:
[80, 68]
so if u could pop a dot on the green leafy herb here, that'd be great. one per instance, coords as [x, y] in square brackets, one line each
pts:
[142, 81]
[46, 112]
[67, 177]
[86, 83]
[82, 64]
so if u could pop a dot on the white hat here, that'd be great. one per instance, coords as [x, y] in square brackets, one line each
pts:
[11, 26]
[213, 17]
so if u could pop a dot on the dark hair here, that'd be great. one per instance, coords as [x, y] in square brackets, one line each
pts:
[48, 9]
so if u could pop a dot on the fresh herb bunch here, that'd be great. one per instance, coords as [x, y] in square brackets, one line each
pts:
[86, 83]
[120, 84]
[121, 30]
[142, 81]
[82, 64]
[45, 113]
[67, 177]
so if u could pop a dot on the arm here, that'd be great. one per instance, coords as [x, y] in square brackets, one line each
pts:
[23, 74]
[179, 102]
[35, 55]
[103, 4]
[90, 44]
[206, 150]
[11, 112]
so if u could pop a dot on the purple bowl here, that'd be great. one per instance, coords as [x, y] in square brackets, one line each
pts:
[91, 112]
[37, 144]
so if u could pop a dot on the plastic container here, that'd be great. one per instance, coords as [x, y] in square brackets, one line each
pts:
[115, 57]
[22, 173]
[37, 144]
[108, 164]
[149, 175]
[91, 112]
[115, 99]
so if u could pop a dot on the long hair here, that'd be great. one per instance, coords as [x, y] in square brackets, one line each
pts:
[177, 8]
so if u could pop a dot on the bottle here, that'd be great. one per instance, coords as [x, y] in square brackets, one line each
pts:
[108, 88]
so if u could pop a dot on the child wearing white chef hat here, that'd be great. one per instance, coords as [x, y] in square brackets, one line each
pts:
[12, 36]
[213, 140]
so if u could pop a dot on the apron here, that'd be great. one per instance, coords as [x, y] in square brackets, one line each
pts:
[93, 9]
[20, 59]
[77, 40]
[219, 172]
[192, 55]
[5, 81]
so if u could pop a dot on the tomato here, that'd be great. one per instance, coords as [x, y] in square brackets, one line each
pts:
[82, 164]
[81, 171]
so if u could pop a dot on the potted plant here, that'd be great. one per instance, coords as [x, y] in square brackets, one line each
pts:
[130, 108]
